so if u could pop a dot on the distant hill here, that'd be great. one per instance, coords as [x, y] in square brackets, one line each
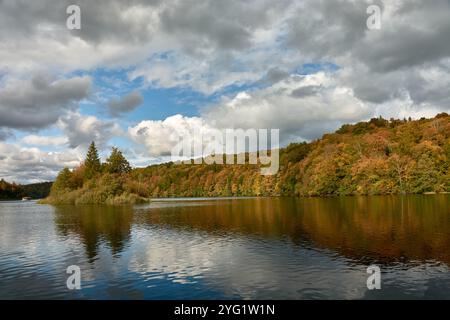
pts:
[367, 158]
[13, 191]
[10, 191]
[37, 190]
[375, 157]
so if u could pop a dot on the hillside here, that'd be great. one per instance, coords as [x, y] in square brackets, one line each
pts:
[13, 191]
[375, 157]
[10, 191]
[37, 190]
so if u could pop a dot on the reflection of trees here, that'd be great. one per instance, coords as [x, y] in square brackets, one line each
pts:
[386, 229]
[96, 224]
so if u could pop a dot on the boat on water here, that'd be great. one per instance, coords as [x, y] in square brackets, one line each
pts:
[26, 198]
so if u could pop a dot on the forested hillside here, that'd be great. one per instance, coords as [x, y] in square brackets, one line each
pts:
[375, 157]
[13, 191]
[10, 191]
[37, 190]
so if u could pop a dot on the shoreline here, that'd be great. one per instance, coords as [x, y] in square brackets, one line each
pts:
[194, 199]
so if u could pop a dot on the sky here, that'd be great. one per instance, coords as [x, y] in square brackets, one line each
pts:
[139, 71]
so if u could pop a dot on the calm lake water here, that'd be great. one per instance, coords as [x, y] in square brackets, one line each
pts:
[258, 248]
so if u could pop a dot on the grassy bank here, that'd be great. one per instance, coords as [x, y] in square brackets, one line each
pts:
[106, 190]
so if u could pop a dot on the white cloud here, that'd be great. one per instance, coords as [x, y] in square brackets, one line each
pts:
[209, 45]
[30, 164]
[303, 107]
[160, 136]
[205, 76]
[33, 165]
[81, 130]
[44, 140]
[274, 107]
[400, 70]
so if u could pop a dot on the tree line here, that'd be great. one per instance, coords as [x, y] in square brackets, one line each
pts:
[14, 191]
[374, 157]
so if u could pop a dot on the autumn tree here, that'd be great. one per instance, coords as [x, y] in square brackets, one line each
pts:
[10, 190]
[92, 164]
[63, 181]
[375, 157]
[78, 176]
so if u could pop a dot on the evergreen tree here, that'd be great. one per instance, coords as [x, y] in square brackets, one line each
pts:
[116, 163]
[92, 163]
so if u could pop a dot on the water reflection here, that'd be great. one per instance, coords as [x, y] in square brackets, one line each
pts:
[368, 229]
[260, 248]
[384, 230]
[96, 224]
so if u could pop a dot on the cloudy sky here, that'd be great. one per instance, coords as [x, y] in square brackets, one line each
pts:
[138, 71]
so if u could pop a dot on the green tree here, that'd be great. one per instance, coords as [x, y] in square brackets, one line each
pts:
[92, 163]
[116, 163]
[63, 182]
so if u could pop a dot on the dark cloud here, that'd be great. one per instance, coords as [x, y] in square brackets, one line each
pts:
[105, 20]
[211, 45]
[196, 24]
[274, 75]
[5, 134]
[39, 102]
[414, 34]
[385, 63]
[305, 91]
[223, 25]
[327, 29]
[102, 20]
[125, 104]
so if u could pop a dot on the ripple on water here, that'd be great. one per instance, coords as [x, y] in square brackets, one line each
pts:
[250, 249]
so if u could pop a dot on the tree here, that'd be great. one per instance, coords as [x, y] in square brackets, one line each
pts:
[78, 176]
[10, 190]
[92, 164]
[400, 168]
[63, 182]
[116, 163]
[376, 157]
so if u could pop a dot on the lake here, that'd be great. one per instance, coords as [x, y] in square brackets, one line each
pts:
[251, 248]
